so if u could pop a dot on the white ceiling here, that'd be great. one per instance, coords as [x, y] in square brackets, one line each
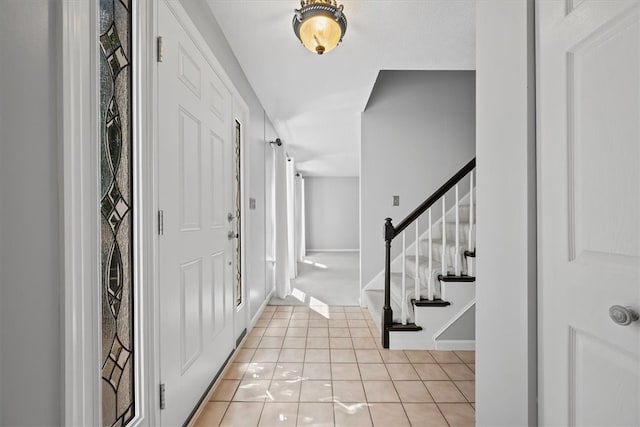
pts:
[314, 101]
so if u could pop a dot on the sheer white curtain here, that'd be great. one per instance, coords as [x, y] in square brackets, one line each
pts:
[300, 231]
[291, 217]
[283, 286]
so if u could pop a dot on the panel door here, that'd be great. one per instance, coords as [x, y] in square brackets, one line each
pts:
[589, 211]
[195, 195]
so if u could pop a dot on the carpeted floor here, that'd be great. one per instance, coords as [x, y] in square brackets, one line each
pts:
[331, 278]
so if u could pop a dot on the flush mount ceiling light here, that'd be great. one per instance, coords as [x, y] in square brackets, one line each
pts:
[320, 25]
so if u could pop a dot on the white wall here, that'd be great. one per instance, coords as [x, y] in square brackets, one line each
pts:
[30, 285]
[506, 236]
[332, 210]
[418, 129]
[258, 283]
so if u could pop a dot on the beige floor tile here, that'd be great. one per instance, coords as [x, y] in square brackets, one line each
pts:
[236, 371]
[355, 315]
[402, 371]
[318, 342]
[266, 355]
[424, 414]
[224, 391]
[281, 315]
[445, 356]
[338, 323]
[279, 323]
[338, 316]
[285, 308]
[352, 414]
[388, 414]
[244, 355]
[317, 355]
[297, 332]
[299, 323]
[262, 323]
[458, 371]
[466, 356]
[444, 391]
[357, 323]
[316, 391]
[364, 343]
[352, 309]
[277, 414]
[393, 356]
[380, 391]
[284, 391]
[275, 332]
[271, 342]
[288, 371]
[430, 372]
[419, 356]
[468, 389]
[315, 414]
[211, 414]
[339, 332]
[242, 414]
[251, 391]
[348, 391]
[294, 342]
[343, 356]
[340, 343]
[300, 315]
[251, 342]
[257, 332]
[412, 391]
[317, 371]
[368, 356]
[318, 332]
[260, 370]
[373, 371]
[345, 371]
[458, 415]
[291, 355]
[360, 332]
[318, 323]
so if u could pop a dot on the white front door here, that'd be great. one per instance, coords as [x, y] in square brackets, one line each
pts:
[589, 211]
[195, 196]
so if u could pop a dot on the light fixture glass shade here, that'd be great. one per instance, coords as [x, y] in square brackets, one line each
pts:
[320, 34]
[320, 25]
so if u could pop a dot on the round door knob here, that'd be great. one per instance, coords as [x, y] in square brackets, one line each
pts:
[623, 316]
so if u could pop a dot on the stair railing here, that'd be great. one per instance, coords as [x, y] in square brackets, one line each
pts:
[391, 232]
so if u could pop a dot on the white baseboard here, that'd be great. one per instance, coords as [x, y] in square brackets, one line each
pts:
[333, 250]
[456, 345]
[255, 318]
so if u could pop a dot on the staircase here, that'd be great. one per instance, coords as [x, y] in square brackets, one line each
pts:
[427, 300]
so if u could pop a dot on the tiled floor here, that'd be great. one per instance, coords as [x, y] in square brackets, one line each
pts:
[324, 366]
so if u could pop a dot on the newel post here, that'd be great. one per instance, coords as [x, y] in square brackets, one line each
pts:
[387, 313]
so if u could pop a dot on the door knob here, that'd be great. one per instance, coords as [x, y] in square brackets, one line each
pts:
[623, 316]
[230, 217]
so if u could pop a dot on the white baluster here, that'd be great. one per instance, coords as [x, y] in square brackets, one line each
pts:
[457, 253]
[417, 272]
[430, 276]
[404, 279]
[469, 263]
[444, 236]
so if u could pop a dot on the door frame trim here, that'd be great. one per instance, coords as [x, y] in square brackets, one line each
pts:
[78, 181]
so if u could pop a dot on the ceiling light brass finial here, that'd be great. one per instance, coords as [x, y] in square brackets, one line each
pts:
[320, 24]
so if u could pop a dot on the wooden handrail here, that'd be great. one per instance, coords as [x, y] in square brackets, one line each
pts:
[434, 197]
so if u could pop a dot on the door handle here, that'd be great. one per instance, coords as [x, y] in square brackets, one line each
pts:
[230, 217]
[232, 235]
[623, 316]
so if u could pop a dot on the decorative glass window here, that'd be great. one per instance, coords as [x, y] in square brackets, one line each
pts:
[237, 145]
[116, 204]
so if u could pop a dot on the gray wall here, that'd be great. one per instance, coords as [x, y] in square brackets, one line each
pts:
[506, 348]
[418, 129]
[30, 285]
[332, 213]
[260, 130]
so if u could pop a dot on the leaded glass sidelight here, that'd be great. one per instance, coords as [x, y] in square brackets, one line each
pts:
[237, 145]
[116, 204]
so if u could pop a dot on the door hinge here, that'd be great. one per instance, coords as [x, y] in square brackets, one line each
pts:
[162, 393]
[160, 47]
[160, 223]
